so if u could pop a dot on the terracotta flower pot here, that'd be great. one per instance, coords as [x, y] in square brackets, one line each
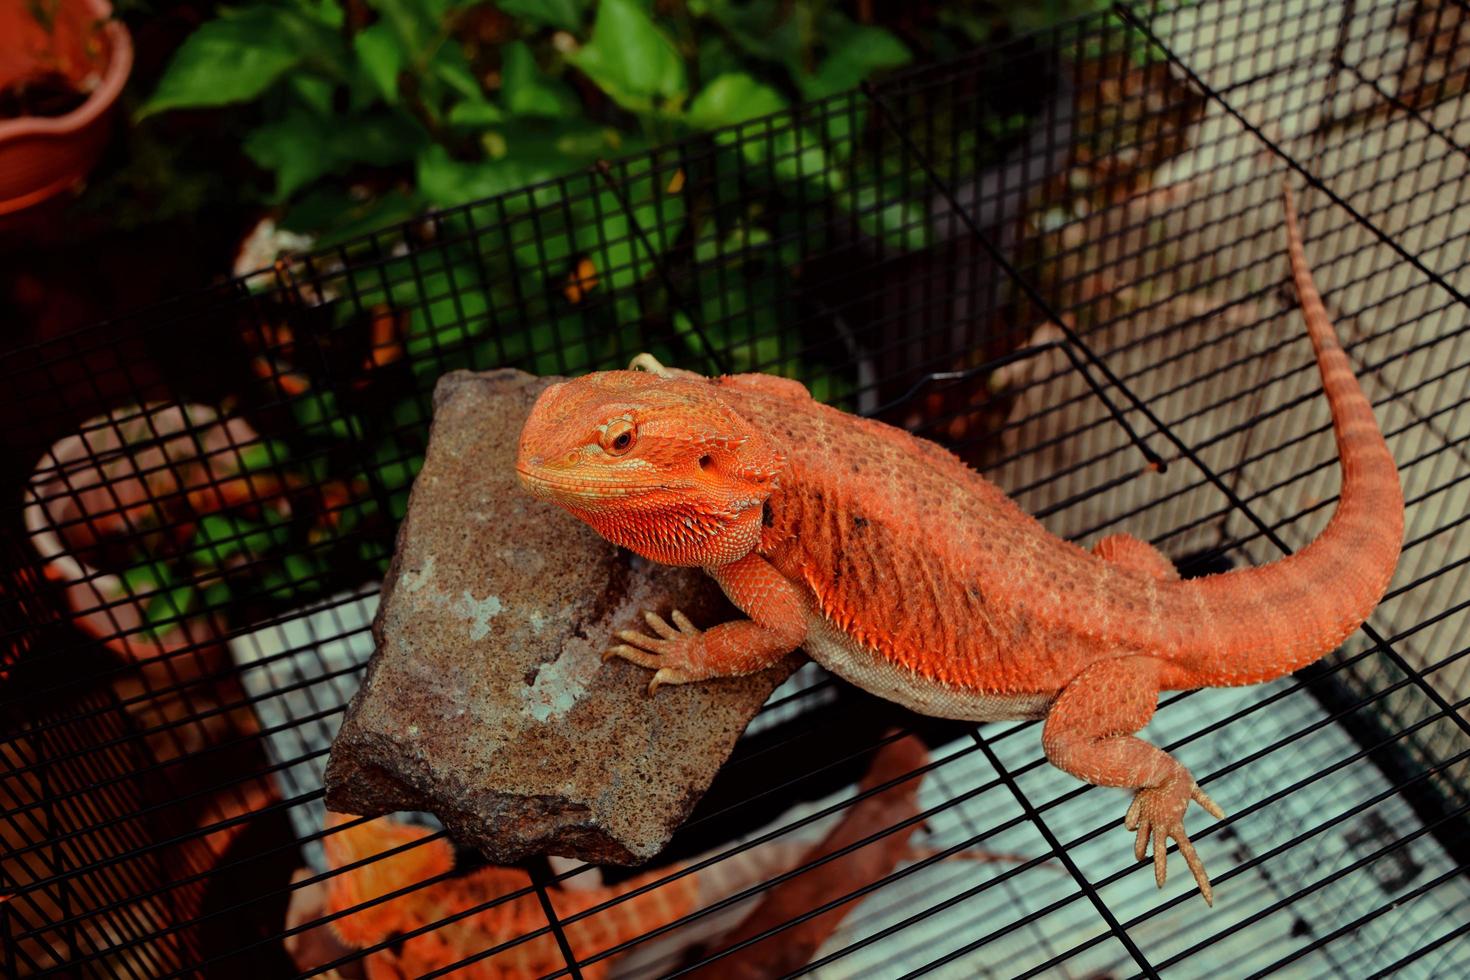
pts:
[117, 479]
[41, 156]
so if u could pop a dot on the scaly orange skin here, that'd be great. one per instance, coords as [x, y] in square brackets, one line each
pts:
[901, 569]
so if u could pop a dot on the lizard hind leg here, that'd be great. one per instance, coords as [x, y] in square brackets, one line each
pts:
[1088, 733]
[1130, 552]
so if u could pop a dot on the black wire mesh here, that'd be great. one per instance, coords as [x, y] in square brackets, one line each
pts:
[1062, 257]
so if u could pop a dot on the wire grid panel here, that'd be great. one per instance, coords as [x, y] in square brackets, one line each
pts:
[904, 252]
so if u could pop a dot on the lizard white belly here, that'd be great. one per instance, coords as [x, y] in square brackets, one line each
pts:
[869, 670]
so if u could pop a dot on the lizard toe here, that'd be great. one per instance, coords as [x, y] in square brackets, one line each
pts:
[1157, 813]
[643, 641]
[1196, 866]
[633, 655]
[1210, 806]
[1161, 856]
[660, 625]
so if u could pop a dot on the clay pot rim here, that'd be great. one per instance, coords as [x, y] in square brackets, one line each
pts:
[114, 76]
[44, 535]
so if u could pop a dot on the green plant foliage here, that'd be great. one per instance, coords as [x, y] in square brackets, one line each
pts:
[300, 150]
[631, 59]
[853, 53]
[360, 122]
[406, 92]
[381, 57]
[528, 92]
[732, 98]
[565, 14]
[241, 54]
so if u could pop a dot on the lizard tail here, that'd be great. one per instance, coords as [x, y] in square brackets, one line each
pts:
[1272, 620]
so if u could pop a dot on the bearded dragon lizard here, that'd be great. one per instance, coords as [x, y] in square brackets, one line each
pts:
[902, 570]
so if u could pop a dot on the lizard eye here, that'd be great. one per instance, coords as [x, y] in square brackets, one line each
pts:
[618, 437]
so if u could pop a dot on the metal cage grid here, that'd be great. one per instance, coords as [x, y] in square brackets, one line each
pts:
[1061, 256]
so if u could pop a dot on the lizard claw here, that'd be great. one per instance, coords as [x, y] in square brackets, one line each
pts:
[1157, 813]
[674, 654]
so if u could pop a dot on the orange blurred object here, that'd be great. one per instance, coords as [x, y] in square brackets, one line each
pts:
[348, 843]
[503, 918]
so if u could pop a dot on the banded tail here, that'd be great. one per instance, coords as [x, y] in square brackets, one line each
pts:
[1275, 619]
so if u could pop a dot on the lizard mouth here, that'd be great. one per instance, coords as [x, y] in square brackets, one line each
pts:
[543, 484]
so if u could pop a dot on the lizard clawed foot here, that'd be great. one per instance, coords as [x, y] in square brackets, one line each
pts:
[1157, 814]
[676, 654]
[647, 362]
[652, 365]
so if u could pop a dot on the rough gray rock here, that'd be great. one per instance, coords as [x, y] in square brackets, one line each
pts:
[487, 703]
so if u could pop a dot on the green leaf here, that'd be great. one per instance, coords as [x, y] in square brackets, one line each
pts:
[335, 216]
[381, 56]
[319, 410]
[301, 569]
[454, 309]
[740, 244]
[793, 156]
[216, 597]
[381, 139]
[396, 476]
[764, 29]
[630, 59]
[147, 577]
[164, 610]
[852, 56]
[621, 256]
[263, 455]
[527, 92]
[717, 56]
[452, 68]
[565, 14]
[733, 98]
[313, 90]
[447, 182]
[415, 22]
[221, 537]
[978, 28]
[885, 213]
[328, 12]
[216, 540]
[475, 114]
[233, 58]
[296, 147]
[299, 573]
[533, 150]
[302, 146]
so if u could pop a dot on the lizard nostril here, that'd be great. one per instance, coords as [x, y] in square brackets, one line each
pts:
[705, 462]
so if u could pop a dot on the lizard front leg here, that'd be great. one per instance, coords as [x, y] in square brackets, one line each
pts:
[1089, 733]
[682, 653]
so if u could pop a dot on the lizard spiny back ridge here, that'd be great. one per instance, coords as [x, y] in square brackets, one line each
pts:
[1269, 621]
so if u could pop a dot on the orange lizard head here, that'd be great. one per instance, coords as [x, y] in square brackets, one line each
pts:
[658, 465]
